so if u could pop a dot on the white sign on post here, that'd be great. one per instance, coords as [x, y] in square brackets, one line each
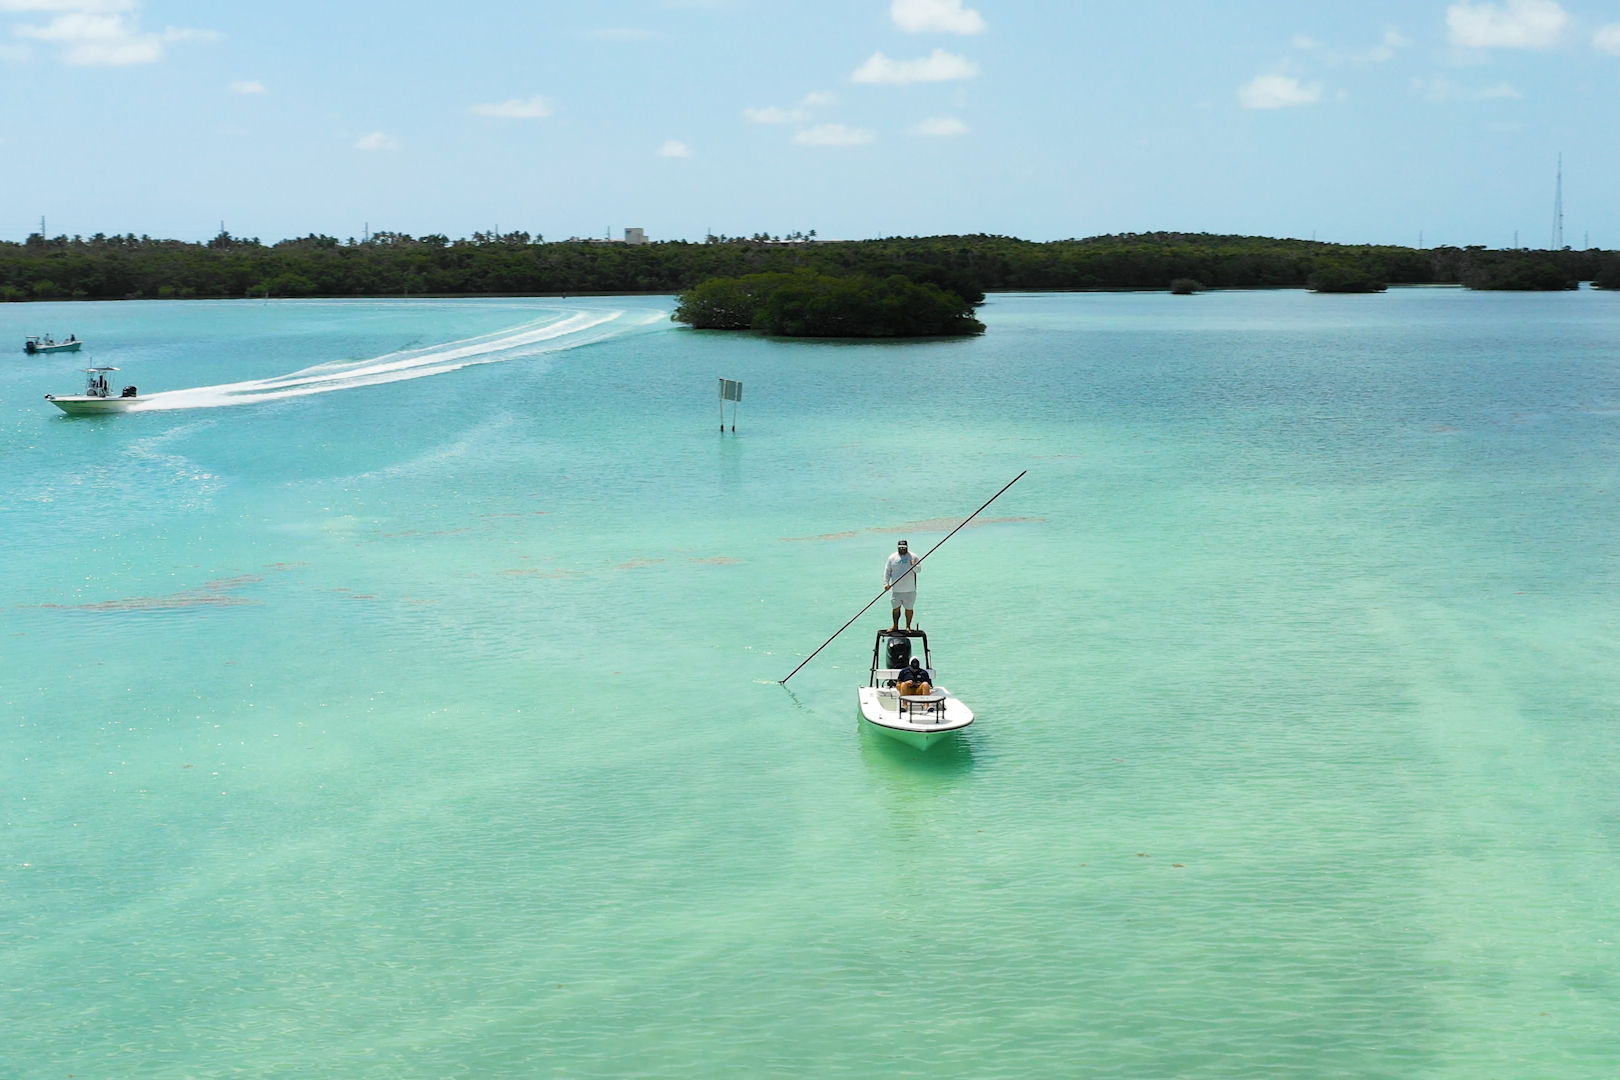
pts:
[730, 390]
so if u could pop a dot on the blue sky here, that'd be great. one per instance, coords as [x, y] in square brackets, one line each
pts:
[1355, 122]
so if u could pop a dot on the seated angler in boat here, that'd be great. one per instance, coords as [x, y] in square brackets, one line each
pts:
[913, 680]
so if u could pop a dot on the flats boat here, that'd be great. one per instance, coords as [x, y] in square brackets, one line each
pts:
[44, 344]
[919, 721]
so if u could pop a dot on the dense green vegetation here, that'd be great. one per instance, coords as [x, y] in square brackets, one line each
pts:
[808, 304]
[1608, 270]
[391, 264]
[1339, 277]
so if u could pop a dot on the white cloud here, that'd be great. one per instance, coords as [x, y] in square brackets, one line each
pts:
[939, 66]
[1519, 24]
[1393, 42]
[1278, 92]
[834, 135]
[15, 54]
[248, 86]
[936, 17]
[774, 115]
[532, 108]
[1305, 41]
[1440, 88]
[98, 40]
[943, 127]
[377, 141]
[99, 33]
[1607, 39]
[675, 148]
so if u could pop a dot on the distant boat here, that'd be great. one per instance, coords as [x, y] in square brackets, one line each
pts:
[917, 720]
[44, 343]
[97, 397]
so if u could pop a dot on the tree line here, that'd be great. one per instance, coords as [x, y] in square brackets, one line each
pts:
[393, 264]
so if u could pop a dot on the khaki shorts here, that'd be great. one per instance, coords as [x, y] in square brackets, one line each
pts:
[907, 600]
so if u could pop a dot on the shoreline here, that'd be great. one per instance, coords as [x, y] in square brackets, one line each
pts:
[1585, 286]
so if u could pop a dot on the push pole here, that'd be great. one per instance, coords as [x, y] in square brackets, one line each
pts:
[914, 566]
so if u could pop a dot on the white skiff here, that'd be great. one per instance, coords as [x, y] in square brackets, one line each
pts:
[97, 397]
[919, 721]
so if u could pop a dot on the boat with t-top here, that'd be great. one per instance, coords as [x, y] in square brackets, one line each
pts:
[916, 719]
[97, 397]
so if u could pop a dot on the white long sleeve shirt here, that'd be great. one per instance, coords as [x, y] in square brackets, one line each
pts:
[901, 572]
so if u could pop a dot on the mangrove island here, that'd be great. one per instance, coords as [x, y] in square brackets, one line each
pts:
[808, 304]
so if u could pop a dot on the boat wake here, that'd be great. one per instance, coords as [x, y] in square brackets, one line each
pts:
[551, 335]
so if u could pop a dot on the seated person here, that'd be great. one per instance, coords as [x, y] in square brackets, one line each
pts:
[913, 681]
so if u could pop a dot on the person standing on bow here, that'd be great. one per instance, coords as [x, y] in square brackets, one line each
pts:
[900, 577]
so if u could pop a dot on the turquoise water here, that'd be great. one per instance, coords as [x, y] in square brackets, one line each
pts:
[416, 716]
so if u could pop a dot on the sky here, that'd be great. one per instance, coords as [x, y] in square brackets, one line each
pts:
[1439, 120]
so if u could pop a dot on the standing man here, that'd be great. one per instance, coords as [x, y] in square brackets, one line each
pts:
[900, 576]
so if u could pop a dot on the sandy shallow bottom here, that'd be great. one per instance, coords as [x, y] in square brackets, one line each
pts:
[398, 698]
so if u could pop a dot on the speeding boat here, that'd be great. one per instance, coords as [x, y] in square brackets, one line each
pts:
[44, 344]
[97, 397]
[916, 720]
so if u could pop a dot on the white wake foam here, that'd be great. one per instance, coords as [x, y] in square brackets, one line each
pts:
[394, 367]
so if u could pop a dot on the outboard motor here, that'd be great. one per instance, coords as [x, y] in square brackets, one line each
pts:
[898, 652]
[129, 391]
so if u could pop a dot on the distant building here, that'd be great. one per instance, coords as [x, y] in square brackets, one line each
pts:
[635, 236]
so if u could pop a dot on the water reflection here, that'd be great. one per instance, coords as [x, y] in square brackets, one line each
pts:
[938, 766]
[731, 455]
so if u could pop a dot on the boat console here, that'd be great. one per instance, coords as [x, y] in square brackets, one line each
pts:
[893, 651]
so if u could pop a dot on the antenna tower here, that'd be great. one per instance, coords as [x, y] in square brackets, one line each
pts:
[1558, 208]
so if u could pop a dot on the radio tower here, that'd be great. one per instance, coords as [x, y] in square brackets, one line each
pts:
[1558, 208]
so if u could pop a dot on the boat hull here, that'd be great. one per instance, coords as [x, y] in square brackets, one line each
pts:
[66, 346]
[77, 405]
[886, 721]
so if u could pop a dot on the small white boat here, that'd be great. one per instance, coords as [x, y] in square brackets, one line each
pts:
[44, 344]
[97, 397]
[919, 721]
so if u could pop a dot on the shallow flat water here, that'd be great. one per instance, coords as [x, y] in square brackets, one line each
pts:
[399, 699]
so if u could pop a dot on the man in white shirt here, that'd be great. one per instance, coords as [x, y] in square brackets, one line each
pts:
[900, 577]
